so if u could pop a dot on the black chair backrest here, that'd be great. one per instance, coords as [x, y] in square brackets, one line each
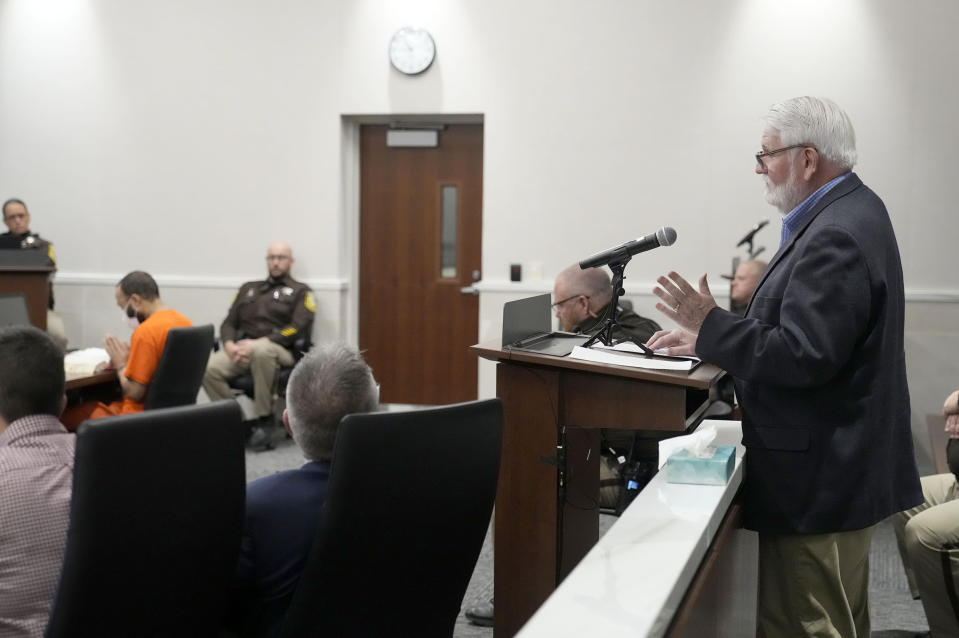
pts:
[180, 371]
[407, 509]
[155, 524]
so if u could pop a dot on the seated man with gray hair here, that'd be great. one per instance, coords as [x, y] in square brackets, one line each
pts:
[283, 509]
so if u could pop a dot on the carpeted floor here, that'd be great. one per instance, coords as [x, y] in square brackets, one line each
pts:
[894, 613]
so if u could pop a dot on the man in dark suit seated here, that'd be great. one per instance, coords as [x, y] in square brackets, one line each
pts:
[283, 509]
[820, 371]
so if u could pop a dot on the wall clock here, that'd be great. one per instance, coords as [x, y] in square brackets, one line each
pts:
[412, 50]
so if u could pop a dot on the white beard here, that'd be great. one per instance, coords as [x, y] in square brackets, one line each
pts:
[786, 196]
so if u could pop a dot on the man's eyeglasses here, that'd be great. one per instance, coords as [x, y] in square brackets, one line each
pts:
[561, 302]
[761, 154]
[277, 257]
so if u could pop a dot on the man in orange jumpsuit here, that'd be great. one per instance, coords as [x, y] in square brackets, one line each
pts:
[138, 296]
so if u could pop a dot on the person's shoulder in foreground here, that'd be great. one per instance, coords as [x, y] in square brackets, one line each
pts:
[36, 477]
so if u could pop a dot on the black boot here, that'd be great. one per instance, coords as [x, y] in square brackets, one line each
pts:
[481, 615]
[261, 435]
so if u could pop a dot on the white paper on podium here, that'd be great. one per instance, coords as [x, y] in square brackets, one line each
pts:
[629, 346]
[619, 358]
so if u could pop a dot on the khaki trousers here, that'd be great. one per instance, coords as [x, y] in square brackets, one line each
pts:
[814, 584]
[928, 538]
[265, 360]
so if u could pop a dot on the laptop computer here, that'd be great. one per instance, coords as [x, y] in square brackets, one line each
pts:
[527, 326]
[13, 309]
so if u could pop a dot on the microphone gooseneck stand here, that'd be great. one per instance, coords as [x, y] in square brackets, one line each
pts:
[605, 335]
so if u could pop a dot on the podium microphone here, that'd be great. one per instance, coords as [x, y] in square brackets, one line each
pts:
[749, 236]
[665, 236]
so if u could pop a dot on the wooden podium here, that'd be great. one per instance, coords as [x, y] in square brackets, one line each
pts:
[34, 282]
[546, 512]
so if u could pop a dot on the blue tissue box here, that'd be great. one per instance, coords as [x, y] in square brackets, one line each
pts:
[714, 470]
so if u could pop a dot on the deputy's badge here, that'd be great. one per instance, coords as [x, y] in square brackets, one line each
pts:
[276, 294]
[309, 302]
[250, 292]
[287, 291]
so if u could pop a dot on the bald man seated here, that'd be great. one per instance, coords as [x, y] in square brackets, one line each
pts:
[744, 283]
[266, 318]
[582, 298]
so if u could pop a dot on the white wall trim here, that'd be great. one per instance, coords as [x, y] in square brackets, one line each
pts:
[644, 289]
[932, 296]
[186, 281]
[640, 289]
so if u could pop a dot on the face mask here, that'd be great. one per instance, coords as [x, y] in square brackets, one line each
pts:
[132, 318]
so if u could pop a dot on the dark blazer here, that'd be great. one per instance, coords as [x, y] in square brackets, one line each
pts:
[283, 511]
[820, 372]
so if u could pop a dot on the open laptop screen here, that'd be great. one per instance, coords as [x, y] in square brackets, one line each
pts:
[526, 318]
[527, 326]
[13, 309]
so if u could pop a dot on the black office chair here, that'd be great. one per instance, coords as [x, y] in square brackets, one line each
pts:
[154, 524]
[180, 371]
[407, 509]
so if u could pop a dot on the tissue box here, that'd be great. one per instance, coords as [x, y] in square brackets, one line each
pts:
[713, 470]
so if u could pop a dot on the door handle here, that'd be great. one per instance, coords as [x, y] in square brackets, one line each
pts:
[470, 290]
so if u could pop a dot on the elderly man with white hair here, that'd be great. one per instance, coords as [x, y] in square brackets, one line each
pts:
[819, 367]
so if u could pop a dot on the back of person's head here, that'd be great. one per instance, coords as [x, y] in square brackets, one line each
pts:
[140, 283]
[328, 383]
[816, 121]
[31, 373]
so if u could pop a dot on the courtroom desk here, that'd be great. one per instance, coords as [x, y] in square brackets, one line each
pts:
[676, 563]
[547, 515]
[102, 386]
[107, 377]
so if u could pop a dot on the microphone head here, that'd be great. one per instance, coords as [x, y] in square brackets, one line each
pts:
[666, 236]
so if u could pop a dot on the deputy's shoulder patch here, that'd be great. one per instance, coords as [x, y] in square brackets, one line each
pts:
[52, 255]
[309, 302]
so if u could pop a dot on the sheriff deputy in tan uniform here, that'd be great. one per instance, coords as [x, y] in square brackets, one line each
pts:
[265, 319]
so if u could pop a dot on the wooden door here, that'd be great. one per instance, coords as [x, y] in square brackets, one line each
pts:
[420, 244]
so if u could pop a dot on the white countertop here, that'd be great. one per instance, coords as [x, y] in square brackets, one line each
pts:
[632, 582]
